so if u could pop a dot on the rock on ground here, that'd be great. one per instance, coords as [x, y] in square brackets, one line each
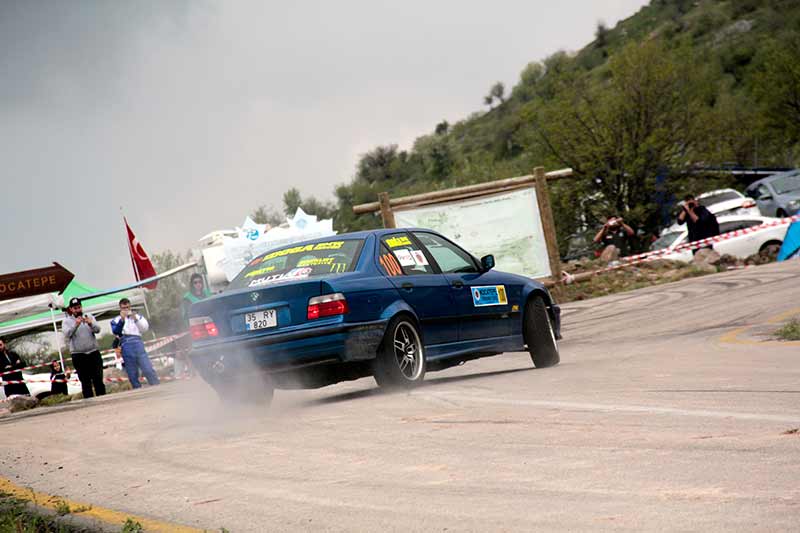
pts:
[610, 253]
[706, 256]
[21, 403]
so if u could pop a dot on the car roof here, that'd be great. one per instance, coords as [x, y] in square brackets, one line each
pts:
[353, 236]
[718, 191]
[731, 218]
[772, 177]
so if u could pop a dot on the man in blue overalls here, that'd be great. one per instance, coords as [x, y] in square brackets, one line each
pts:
[129, 326]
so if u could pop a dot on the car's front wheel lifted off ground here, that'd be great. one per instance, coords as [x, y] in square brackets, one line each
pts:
[400, 363]
[539, 334]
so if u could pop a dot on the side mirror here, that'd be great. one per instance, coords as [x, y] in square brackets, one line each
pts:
[487, 262]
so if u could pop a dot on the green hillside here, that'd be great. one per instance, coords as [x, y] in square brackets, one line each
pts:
[678, 87]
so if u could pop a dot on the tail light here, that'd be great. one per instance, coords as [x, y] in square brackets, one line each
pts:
[202, 327]
[327, 305]
[748, 203]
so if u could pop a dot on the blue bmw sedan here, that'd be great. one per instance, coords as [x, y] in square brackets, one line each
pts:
[390, 303]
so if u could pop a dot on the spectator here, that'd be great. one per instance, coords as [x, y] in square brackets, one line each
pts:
[80, 332]
[701, 222]
[617, 233]
[58, 379]
[129, 326]
[197, 291]
[11, 361]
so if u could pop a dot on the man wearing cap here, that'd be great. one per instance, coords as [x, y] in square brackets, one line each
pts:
[80, 332]
[129, 326]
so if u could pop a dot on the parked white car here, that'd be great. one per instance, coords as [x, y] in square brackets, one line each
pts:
[39, 385]
[722, 202]
[725, 202]
[741, 246]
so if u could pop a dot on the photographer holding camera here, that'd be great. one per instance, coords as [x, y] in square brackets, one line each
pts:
[129, 327]
[700, 222]
[617, 233]
[80, 332]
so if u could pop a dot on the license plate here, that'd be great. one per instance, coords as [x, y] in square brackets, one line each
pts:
[260, 320]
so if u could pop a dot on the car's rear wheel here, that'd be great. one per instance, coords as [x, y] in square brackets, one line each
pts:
[400, 363]
[781, 213]
[539, 334]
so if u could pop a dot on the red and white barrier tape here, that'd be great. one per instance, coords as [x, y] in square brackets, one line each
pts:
[25, 368]
[76, 381]
[711, 240]
[169, 339]
[646, 257]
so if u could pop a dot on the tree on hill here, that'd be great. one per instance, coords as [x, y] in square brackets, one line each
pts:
[496, 92]
[164, 302]
[291, 201]
[266, 215]
[620, 133]
[777, 87]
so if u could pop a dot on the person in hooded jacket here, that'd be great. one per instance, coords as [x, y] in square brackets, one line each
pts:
[11, 361]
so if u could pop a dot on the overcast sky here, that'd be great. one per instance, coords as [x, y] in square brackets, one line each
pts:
[190, 114]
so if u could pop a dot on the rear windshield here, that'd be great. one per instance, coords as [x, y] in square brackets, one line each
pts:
[299, 262]
[719, 198]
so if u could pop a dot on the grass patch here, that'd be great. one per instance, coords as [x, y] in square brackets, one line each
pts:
[55, 399]
[112, 388]
[131, 526]
[17, 517]
[62, 508]
[789, 331]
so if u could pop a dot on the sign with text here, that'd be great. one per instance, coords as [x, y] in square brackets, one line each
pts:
[507, 225]
[32, 282]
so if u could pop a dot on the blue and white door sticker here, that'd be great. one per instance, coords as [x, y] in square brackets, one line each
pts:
[489, 295]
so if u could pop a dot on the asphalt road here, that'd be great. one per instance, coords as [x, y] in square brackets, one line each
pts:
[669, 412]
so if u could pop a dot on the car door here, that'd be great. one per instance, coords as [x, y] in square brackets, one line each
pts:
[765, 198]
[740, 245]
[482, 299]
[682, 255]
[420, 285]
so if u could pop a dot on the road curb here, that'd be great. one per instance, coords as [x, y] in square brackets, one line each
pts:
[84, 514]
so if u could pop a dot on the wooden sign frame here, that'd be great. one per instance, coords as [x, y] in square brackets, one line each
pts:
[538, 180]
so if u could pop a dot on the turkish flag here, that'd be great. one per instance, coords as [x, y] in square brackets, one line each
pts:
[142, 266]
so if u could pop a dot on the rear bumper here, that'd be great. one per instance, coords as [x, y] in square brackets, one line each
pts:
[320, 345]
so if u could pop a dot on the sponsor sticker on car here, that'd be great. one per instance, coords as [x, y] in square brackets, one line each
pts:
[489, 295]
[419, 258]
[395, 242]
[297, 273]
[405, 257]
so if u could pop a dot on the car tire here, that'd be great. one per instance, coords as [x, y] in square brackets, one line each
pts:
[539, 334]
[245, 389]
[400, 362]
[771, 248]
[780, 213]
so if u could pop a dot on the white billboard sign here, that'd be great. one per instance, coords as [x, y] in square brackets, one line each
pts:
[506, 225]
